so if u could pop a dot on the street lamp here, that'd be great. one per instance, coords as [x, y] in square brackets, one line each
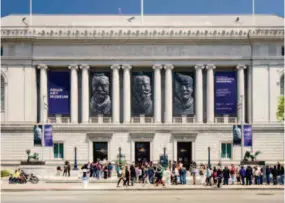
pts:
[241, 123]
[75, 158]
[120, 156]
[209, 157]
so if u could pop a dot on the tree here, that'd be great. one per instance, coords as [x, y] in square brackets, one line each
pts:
[280, 109]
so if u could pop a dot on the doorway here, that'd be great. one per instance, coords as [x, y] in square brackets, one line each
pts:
[184, 153]
[142, 152]
[100, 151]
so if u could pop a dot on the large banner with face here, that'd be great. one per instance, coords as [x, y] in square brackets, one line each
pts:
[58, 92]
[38, 135]
[237, 133]
[142, 93]
[183, 92]
[225, 93]
[100, 94]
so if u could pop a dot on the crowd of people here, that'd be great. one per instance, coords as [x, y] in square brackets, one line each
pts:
[176, 173]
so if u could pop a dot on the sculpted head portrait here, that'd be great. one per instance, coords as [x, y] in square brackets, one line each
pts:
[100, 101]
[183, 94]
[142, 95]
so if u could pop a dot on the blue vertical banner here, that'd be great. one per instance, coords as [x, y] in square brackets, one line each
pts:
[58, 92]
[247, 134]
[225, 93]
[48, 141]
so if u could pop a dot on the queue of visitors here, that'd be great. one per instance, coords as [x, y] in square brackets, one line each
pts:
[176, 173]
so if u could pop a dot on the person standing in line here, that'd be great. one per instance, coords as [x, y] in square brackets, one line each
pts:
[274, 174]
[214, 176]
[68, 168]
[267, 174]
[110, 168]
[248, 173]
[282, 175]
[151, 174]
[278, 171]
[133, 174]
[233, 173]
[176, 174]
[65, 168]
[226, 175]
[242, 174]
[183, 175]
[208, 176]
[194, 174]
[219, 177]
[167, 175]
[261, 176]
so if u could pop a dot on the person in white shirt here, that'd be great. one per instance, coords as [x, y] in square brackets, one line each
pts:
[208, 176]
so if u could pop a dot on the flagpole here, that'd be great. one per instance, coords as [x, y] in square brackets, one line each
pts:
[253, 12]
[31, 12]
[142, 11]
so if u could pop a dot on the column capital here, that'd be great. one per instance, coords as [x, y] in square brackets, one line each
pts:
[210, 66]
[73, 66]
[168, 66]
[157, 67]
[115, 66]
[42, 66]
[84, 66]
[126, 67]
[199, 66]
[241, 66]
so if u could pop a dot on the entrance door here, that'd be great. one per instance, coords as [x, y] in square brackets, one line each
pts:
[184, 153]
[100, 151]
[142, 152]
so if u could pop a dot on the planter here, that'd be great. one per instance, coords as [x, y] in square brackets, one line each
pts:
[33, 163]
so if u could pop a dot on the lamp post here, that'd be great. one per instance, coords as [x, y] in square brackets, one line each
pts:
[120, 156]
[164, 151]
[209, 157]
[75, 158]
[241, 123]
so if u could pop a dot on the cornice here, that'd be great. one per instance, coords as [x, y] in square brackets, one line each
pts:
[150, 128]
[142, 33]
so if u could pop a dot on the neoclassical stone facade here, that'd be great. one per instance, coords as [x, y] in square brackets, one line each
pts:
[147, 56]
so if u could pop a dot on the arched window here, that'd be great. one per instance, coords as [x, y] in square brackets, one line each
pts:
[2, 93]
[282, 85]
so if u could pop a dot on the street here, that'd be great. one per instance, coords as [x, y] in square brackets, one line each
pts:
[197, 196]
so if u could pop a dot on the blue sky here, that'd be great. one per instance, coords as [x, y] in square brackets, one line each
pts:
[151, 7]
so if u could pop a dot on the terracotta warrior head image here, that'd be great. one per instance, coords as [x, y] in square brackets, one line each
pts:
[183, 90]
[141, 98]
[100, 101]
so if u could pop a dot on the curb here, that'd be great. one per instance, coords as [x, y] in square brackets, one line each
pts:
[136, 189]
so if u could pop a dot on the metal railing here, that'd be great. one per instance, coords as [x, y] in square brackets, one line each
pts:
[59, 119]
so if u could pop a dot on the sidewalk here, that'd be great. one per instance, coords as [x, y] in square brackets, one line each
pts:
[112, 187]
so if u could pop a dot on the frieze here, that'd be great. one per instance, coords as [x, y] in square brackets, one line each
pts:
[142, 32]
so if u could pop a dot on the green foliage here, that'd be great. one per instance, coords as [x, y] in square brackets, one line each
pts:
[5, 173]
[280, 109]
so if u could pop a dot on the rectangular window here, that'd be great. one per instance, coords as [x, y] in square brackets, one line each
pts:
[226, 150]
[282, 50]
[2, 50]
[58, 150]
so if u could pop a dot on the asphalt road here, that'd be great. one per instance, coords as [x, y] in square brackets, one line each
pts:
[197, 196]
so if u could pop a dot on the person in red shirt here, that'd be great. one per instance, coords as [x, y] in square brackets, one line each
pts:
[233, 174]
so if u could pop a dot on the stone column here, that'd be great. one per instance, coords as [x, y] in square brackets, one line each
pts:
[85, 93]
[127, 92]
[168, 93]
[210, 93]
[115, 94]
[74, 93]
[43, 93]
[199, 93]
[249, 94]
[240, 78]
[157, 93]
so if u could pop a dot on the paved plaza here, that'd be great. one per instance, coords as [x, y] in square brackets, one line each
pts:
[144, 196]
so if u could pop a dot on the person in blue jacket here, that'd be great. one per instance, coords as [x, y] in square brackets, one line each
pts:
[242, 174]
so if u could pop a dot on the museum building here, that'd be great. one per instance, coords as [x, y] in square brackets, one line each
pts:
[111, 84]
